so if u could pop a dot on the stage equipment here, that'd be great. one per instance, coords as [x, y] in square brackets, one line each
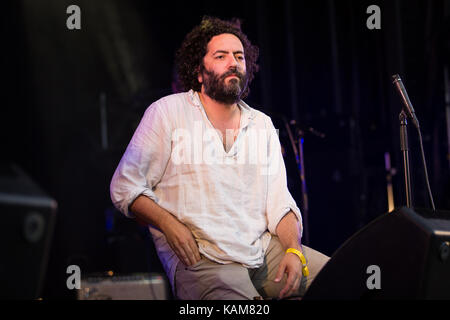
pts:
[28, 217]
[409, 112]
[410, 250]
[136, 286]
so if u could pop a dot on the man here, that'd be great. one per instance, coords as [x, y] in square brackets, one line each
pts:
[205, 172]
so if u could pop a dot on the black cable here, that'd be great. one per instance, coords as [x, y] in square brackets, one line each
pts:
[425, 170]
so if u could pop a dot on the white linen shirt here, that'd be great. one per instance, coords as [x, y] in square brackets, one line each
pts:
[231, 201]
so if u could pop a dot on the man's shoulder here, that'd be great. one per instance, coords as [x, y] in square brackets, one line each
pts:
[171, 99]
[172, 104]
[257, 113]
[261, 114]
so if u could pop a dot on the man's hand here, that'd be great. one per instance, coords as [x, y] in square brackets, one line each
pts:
[178, 236]
[288, 231]
[181, 241]
[291, 265]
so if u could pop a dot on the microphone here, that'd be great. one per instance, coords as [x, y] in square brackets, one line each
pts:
[397, 81]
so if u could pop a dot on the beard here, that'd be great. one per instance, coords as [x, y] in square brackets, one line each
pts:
[225, 92]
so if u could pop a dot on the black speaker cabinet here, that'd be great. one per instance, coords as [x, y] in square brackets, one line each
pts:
[404, 254]
[27, 221]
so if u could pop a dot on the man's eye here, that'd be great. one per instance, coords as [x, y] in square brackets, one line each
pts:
[240, 58]
[219, 57]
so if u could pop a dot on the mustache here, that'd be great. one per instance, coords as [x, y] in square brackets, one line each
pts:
[234, 72]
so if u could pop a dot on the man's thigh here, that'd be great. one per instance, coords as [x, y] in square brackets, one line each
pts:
[208, 280]
[263, 277]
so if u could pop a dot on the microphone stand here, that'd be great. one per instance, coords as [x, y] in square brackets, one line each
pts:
[408, 111]
[405, 151]
[298, 153]
[299, 159]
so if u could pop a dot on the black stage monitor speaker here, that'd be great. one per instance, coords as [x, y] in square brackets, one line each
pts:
[27, 220]
[404, 254]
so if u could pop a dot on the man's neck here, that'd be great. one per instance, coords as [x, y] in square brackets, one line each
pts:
[217, 110]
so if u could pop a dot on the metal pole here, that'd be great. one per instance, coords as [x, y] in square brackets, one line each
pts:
[405, 151]
[301, 164]
[447, 110]
[298, 152]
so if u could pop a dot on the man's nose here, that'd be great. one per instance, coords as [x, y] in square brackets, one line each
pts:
[233, 62]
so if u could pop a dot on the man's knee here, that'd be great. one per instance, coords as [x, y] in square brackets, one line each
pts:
[316, 261]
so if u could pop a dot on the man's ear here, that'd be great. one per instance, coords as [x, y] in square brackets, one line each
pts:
[199, 75]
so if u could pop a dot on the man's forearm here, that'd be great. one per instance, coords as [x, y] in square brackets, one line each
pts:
[288, 231]
[148, 212]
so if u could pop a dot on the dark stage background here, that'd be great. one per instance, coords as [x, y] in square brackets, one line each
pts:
[319, 65]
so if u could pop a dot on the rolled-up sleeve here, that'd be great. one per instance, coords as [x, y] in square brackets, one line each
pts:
[144, 161]
[279, 199]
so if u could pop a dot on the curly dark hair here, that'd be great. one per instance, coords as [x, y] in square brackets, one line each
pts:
[189, 57]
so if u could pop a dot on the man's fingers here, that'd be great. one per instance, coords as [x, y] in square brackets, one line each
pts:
[285, 290]
[289, 284]
[182, 242]
[185, 247]
[190, 253]
[295, 286]
[181, 255]
[196, 251]
[280, 272]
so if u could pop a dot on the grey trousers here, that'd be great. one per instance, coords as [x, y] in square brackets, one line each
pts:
[208, 280]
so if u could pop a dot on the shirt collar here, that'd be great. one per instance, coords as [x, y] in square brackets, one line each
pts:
[248, 114]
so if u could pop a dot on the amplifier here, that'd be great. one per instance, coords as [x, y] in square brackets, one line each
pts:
[136, 286]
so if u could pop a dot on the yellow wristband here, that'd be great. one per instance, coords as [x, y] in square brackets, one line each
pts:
[305, 270]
